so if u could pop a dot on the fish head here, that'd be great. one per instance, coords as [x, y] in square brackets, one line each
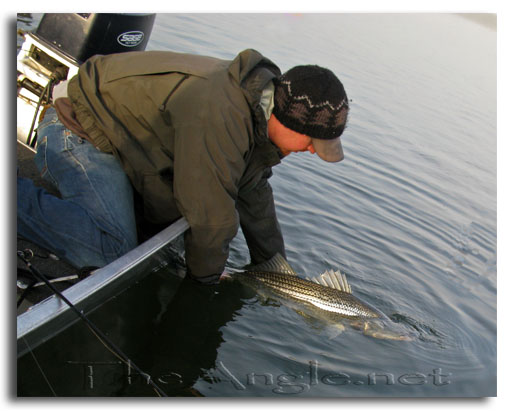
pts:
[385, 331]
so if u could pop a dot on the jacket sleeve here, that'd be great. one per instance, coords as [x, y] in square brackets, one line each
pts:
[209, 161]
[259, 222]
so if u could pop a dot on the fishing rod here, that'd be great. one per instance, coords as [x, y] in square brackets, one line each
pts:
[111, 346]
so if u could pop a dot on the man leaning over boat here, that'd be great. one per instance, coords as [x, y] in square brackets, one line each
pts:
[194, 136]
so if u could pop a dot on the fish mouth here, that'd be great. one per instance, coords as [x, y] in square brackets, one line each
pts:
[376, 331]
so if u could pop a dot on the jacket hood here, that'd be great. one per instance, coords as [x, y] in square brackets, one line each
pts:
[252, 71]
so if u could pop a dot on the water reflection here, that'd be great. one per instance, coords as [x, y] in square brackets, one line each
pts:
[185, 343]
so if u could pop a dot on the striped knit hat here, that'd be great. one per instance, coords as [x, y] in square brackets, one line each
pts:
[312, 101]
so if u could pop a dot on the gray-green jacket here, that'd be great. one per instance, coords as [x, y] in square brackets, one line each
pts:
[192, 137]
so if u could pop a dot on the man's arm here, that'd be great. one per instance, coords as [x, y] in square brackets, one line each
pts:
[207, 167]
[259, 222]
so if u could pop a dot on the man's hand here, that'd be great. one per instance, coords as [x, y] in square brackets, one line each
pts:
[224, 275]
[212, 279]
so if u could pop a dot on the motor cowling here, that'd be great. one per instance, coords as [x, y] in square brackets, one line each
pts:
[82, 35]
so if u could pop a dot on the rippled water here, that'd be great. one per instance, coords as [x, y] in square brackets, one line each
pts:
[409, 215]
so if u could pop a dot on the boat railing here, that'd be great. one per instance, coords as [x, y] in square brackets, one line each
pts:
[51, 316]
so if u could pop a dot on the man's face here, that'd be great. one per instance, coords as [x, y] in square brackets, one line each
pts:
[287, 140]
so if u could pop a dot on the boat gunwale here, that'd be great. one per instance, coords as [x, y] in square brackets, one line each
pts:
[53, 313]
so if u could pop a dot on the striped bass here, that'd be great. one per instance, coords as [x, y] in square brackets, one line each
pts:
[328, 296]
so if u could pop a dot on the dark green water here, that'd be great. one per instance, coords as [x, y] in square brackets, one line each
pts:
[409, 216]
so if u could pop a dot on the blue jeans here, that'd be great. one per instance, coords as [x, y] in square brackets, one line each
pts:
[94, 222]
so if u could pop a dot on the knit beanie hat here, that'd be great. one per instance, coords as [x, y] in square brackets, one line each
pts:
[312, 101]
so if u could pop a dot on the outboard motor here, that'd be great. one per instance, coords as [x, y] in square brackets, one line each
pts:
[63, 41]
[81, 35]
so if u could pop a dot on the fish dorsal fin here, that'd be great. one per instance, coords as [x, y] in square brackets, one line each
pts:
[277, 264]
[334, 280]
